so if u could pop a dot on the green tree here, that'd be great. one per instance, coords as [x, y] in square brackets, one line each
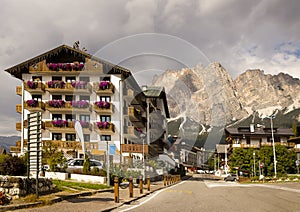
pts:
[12, 165]
[86, 165]
[53, 157]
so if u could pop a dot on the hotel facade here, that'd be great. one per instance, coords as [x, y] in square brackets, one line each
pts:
[67, 85]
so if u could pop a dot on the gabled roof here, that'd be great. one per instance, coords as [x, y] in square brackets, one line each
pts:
[259, 131]
[68, 53]
[157, 92]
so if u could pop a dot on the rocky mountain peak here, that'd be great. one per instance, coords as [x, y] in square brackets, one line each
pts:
[210, 96]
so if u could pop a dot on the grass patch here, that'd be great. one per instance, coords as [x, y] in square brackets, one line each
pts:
[63, 185]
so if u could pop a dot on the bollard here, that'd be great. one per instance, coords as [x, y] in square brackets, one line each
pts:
[165, 180]
[141, 185]
[130, 187]
[148, 183]
[116, 188]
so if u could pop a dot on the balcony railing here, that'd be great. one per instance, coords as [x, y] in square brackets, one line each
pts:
[72, 145]
[68, 87]
[104, 128]
[38, 106]
[66, 126]
[57, 68]
[131, 133]
[14, 149]
[34, 87]
[134, 148]
[104, 110]
[250, 146]
[67, 107]
[19, 125]
[103, 88]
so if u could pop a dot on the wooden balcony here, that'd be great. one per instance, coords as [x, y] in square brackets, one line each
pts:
[134, 148]
[69, 89]
[105, 130]
[34, 87]
[104, 111]
[19, 90]
[19, 108]
[67, 108]
[67, 127]
[14, 149]
[72, 145]
[66, 145]
[19, 125]
[40, 107]
[250, 146]
[109, 90]
[131, 133]
[134, 115]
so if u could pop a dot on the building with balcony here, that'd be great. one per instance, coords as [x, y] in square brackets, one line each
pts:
[68, 85]
[257, 137]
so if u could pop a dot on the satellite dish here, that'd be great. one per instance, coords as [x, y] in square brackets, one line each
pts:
[79, 132]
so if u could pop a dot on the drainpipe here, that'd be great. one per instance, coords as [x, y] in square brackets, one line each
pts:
[22, 120]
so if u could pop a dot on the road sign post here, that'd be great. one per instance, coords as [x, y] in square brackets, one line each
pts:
[34, 147]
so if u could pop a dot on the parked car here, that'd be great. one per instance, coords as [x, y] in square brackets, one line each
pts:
[200, 171]
[76, 165]
[231, 177]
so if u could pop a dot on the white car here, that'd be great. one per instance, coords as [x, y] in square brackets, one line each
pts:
[200, 171]
[76, 165]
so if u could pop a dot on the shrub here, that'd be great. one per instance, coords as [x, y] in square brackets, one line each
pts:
[13, 165]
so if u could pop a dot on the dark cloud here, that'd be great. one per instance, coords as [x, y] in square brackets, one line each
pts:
[239, 34]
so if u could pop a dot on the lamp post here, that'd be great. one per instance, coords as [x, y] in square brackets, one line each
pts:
[254, 164]
[143, 153]
[273, 144]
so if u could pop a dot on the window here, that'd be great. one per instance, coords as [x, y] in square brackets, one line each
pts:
[70, 137]
[86, 79]
[84, 118]
[70, 79]
[105, 118]
[56, 136]
[37, 97]
[70, 98]
[105, 78]
[105, 98]
[56, 97]
[86, 137]
[37, 78]
[105, 138]
[70, 117]
[56, 116]
[87, 98]
[56, 78]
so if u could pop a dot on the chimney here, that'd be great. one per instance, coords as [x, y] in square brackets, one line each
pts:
[252, 128]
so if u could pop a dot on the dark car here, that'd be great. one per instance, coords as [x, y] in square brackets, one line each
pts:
[231, 177]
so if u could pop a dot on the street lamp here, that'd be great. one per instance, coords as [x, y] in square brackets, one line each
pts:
[142, 135]
[254, 163]
[273, 144]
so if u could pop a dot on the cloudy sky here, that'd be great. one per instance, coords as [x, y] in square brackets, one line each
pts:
[240, 34]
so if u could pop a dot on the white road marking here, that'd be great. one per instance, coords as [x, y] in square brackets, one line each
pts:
[234, 184]
[151, 197]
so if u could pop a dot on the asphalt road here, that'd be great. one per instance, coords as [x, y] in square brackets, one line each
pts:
[200, 194]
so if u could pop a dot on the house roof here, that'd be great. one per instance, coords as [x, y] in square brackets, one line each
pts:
[2, 151]
[157, 92]
[68, 53]
[259, 131]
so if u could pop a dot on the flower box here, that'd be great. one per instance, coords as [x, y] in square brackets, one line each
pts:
[32, 103]
[57, 103]
[79, 104]
[102, 104]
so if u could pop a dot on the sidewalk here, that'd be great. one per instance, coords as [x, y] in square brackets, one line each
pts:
[101, 200]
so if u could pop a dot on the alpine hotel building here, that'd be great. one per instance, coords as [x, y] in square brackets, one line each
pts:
[67, 85]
